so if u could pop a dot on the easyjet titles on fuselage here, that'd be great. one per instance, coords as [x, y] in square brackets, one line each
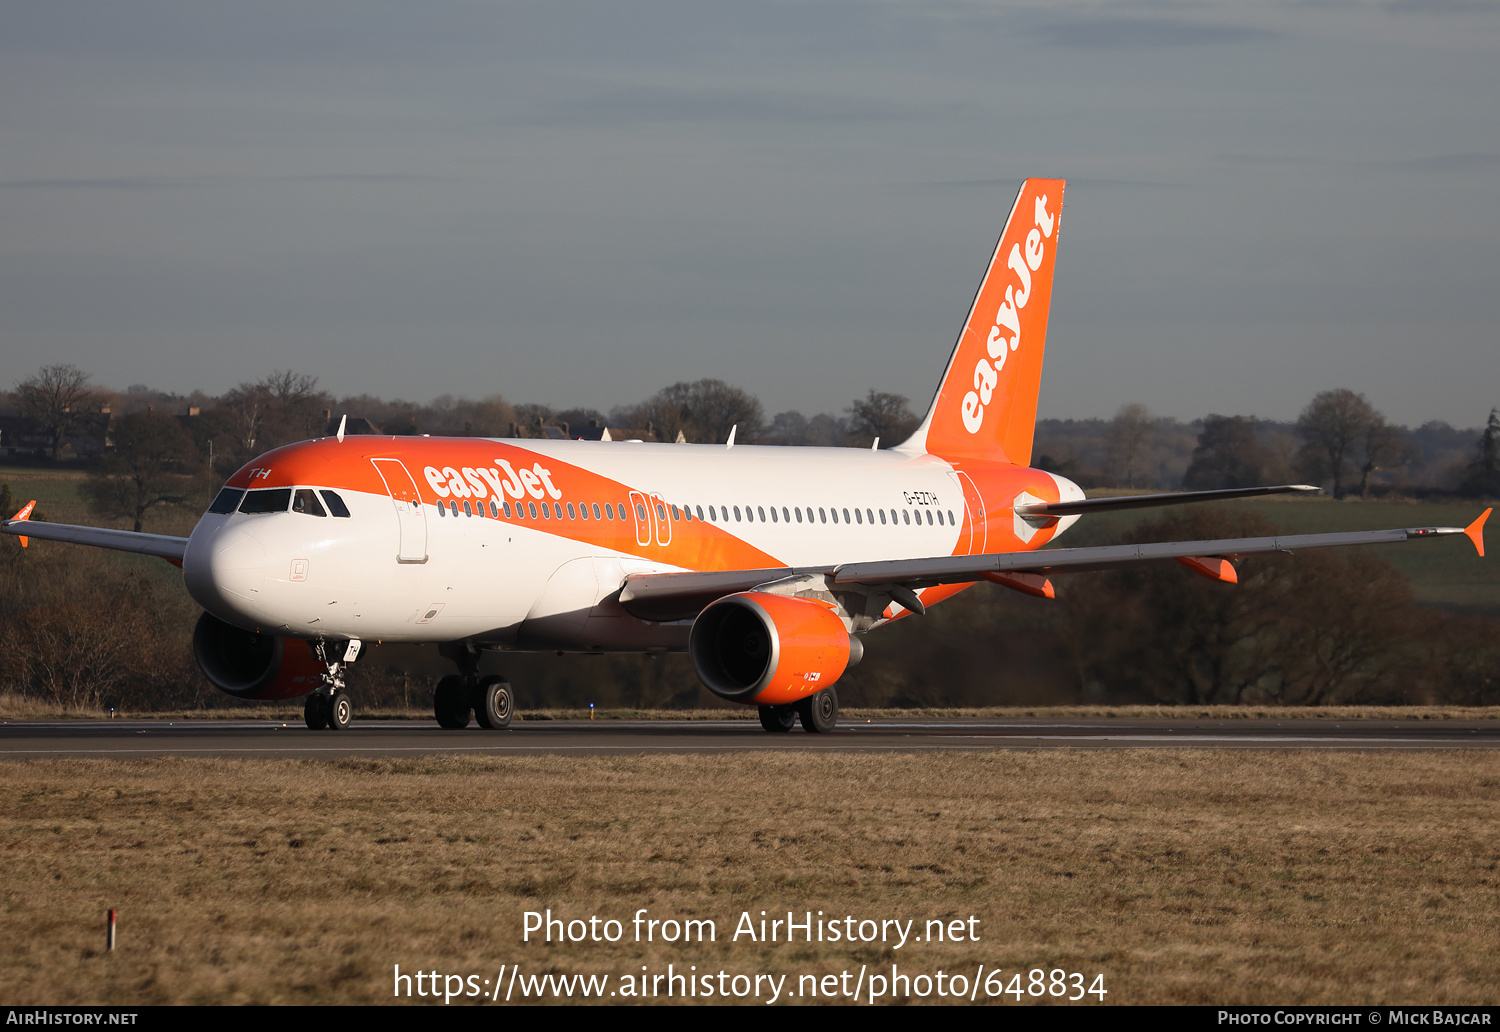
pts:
[477, 482]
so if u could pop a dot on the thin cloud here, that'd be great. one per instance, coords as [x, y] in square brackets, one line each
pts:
[1136, 33]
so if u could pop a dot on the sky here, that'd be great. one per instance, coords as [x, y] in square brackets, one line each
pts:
[578, 203]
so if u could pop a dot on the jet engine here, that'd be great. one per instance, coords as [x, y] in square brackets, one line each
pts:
[770, 650]
[251, 665]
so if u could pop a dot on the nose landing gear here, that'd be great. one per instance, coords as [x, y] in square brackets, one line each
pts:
[328, 707]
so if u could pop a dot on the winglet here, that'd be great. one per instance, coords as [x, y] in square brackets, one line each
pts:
[25, 514]
[1475, 531]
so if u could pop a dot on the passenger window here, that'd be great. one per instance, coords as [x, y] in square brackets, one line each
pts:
[798, 511]
[505, 508]
[546, 512]
[467, 510]
[905, 516]
[822, 518]
[227, 501]
[661, 512]
[870, 516]
[929, 517]
[951, 521]
[609, 511]
[882, 517]
[760, 510]
[835, 513]
[454, 507]
[596, 510]
[846, 515]
[442, 508]
[736, 514]
[620, 507]
[712, 515]
[494, 510]
[700, 511]
[571, 514]
[786, 517]
[556, 509]
[859, 517]
[640, 512]
[773, 514]
[305, 500]
[675, 514]
[531, 507]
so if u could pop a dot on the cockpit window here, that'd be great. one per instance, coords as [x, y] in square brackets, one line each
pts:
[228, 501]
[335, 504]
[306, 501]
[275, 499]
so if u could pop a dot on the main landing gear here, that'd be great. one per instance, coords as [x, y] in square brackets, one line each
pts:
[328, 707]
[458, 696]
[819, 714]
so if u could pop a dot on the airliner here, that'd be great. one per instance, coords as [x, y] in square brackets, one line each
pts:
[768, 565]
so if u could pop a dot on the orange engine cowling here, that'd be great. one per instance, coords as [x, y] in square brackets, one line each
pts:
[250, 665]
[770, 650]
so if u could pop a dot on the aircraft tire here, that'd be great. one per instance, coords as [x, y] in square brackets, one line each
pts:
[819, 713]
[450, 703]
[777, 718]
[493, 703]
[339, 711]
[314, 712]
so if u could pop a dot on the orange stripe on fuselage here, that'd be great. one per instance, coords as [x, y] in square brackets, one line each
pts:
[694, 544]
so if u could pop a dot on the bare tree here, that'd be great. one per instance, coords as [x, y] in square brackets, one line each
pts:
[1341, 431]
[151, 464]
[703, 411]
[1482, 478]
[1129, 442]
[1227, 455]
[886, 416]
[55, 398]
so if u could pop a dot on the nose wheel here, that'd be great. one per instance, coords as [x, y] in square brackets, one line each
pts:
[329, 708]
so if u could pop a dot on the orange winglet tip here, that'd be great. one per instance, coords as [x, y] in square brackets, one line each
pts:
[1475, 531]
[1033, 584]
[25, 514]
[1214, 568]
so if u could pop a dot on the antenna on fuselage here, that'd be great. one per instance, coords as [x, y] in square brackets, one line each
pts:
[730, 443]
[342, 420]
[876, 445]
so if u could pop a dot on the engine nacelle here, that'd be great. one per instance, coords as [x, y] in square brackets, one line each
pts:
[250, 665]
[770, 650]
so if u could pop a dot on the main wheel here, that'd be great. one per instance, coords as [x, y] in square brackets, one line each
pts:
[777, 718]
[315, 712]
[450, 703]
[339, 710]
[819, 713]
[492, 703]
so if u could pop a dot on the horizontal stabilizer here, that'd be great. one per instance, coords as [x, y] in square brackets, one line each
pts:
[1149, 501]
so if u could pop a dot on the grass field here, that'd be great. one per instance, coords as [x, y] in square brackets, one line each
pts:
[1195, 877]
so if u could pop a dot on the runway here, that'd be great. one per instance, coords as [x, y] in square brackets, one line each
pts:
[22, 740]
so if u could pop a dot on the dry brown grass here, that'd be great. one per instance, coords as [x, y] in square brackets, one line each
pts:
[1183, 876]
[20, 707]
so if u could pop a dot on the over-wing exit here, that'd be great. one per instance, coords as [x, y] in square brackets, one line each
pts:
[769, 566]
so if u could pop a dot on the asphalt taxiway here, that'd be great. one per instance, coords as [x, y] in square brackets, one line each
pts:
[21, 740]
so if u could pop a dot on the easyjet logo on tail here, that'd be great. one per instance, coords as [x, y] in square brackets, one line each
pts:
[1005, 335]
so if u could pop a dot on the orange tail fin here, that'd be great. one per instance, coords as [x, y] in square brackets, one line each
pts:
[986, 404]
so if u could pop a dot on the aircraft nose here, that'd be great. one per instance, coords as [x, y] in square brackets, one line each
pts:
[225, 574]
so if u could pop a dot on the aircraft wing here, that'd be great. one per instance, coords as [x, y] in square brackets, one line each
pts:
[680, 596]
[169, 548]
